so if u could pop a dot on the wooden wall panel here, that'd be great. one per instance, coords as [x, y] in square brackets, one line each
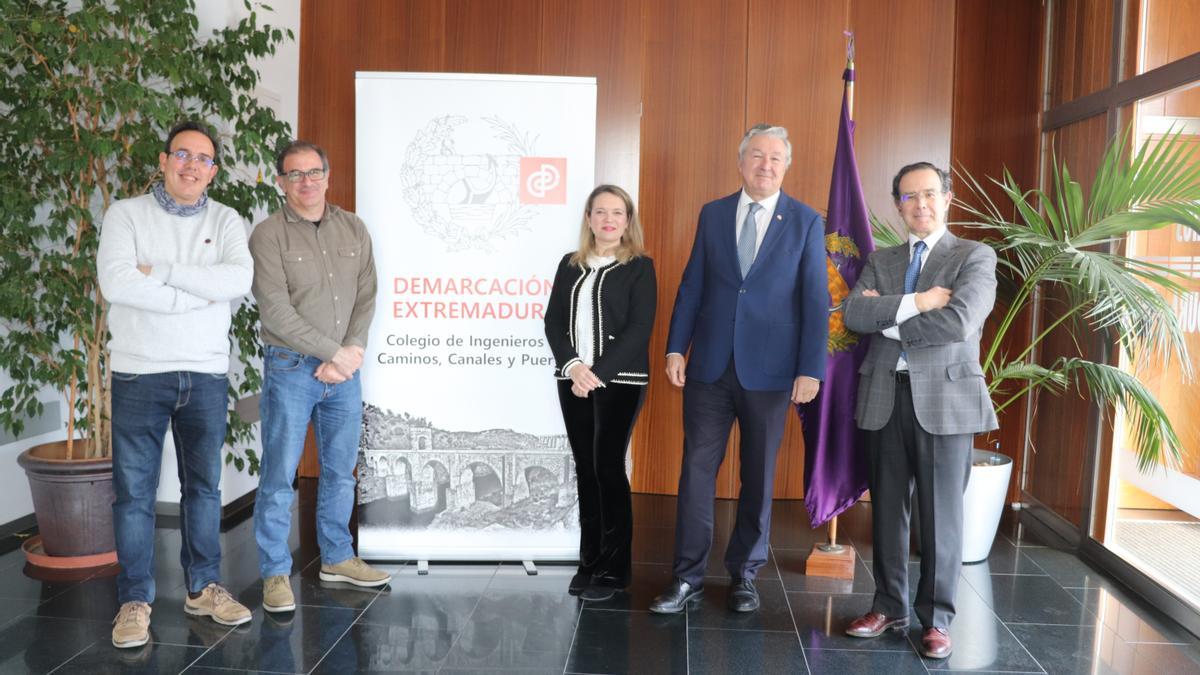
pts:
[693, 103]
[996, 88]
[603, 40]
[493, 36]
[1081, 48]
[905, 91]
[679, 81]
[398, 34]
[797, 84]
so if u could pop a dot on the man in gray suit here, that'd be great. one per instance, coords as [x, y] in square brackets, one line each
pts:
[921, 399]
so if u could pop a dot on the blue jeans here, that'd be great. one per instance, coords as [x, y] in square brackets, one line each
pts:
[195, 406]
[291, 397]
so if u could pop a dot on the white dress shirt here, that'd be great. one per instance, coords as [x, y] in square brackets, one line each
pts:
[908, 304]
[762, 219]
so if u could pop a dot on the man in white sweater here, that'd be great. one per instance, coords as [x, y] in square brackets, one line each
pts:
[170, 263]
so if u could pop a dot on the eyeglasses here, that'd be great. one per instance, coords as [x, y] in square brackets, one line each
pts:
[295, 176]
[184, 157]
[928, 195]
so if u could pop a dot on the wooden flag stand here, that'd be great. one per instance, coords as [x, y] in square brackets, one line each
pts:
[831, 559]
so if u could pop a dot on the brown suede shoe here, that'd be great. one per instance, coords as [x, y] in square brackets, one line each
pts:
[935, 643]
[872, 624]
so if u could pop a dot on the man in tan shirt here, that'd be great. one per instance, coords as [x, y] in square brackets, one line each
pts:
[314, 281]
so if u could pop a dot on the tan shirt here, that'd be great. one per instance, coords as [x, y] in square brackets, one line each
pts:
[315, 286]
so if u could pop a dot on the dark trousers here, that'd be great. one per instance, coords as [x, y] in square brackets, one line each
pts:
[903, 457]
[598, 428]
[709, 410]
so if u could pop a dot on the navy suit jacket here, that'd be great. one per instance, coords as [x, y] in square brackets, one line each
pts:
[775, 322]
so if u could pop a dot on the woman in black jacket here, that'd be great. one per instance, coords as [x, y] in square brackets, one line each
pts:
[598, 324]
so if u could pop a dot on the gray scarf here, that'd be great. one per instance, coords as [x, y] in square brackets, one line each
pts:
[175, 208]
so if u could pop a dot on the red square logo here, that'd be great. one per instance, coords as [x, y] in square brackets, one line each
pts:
[543, 180]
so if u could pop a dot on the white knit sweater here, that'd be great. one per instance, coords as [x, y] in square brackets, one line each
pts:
[178, 317]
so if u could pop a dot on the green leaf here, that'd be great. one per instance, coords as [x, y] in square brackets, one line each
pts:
[130, 70]
[1069, 241]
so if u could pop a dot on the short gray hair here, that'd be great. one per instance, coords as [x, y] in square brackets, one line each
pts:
[768, 130]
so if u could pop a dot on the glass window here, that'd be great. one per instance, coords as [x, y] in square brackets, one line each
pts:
[1168, 31]
[1147, 517]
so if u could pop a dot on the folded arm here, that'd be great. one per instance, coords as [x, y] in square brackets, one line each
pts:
[973, 293]
[868, 313]
[226, 280]
[121, 281]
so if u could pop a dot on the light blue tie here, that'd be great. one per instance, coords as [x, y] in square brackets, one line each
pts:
[748, 238]
[910, 276]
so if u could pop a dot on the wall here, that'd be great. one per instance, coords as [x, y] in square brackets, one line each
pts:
[280, 88]
[997, 82]
[679, 82]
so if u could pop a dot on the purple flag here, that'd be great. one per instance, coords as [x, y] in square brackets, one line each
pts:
[835, 459]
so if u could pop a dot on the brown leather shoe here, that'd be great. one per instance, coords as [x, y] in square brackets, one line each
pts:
[872, 624]
[935, 643]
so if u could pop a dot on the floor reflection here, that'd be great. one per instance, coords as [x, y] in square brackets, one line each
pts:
[1028, 608]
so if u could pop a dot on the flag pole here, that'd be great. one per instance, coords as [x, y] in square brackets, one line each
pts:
[832, 546]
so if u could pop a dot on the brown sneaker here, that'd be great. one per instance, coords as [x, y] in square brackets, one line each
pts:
[277, 594]
[216, 602]
[131, 628]
[355, 571]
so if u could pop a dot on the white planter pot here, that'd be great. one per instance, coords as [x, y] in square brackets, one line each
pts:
[983, 503]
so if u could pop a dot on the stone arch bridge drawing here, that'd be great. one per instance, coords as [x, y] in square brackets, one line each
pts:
[413, 475]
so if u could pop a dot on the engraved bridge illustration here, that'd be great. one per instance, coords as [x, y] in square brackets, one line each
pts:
[413, 475]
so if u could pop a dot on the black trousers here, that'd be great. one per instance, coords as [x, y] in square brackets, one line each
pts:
[709, 410]
[906, 458]
[599, 428]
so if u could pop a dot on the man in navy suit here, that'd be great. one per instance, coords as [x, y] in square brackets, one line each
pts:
[753, 307]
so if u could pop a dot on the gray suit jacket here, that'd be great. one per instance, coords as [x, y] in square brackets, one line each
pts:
[942, 346]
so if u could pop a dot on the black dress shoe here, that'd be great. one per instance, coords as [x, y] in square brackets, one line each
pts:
[598, 592]
[579, 582]
[743, 596]
[604, 586]
[676, 597]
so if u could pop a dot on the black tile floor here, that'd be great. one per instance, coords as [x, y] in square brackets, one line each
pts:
[1028, 609]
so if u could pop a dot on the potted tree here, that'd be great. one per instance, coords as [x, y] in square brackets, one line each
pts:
[1065, 246]
[87, 94]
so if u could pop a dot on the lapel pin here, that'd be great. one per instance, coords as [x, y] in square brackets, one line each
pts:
[778, 217]
[208, 241]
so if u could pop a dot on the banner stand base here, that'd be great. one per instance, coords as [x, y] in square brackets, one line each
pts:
[530, 568]
[827, 561]
[422, 567]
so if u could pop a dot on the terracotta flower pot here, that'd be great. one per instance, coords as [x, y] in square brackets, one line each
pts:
[72, 500]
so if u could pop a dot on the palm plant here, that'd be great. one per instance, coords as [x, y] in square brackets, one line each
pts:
[1066, 246]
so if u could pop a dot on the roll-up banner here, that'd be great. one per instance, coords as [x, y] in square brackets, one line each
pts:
[472, 187]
